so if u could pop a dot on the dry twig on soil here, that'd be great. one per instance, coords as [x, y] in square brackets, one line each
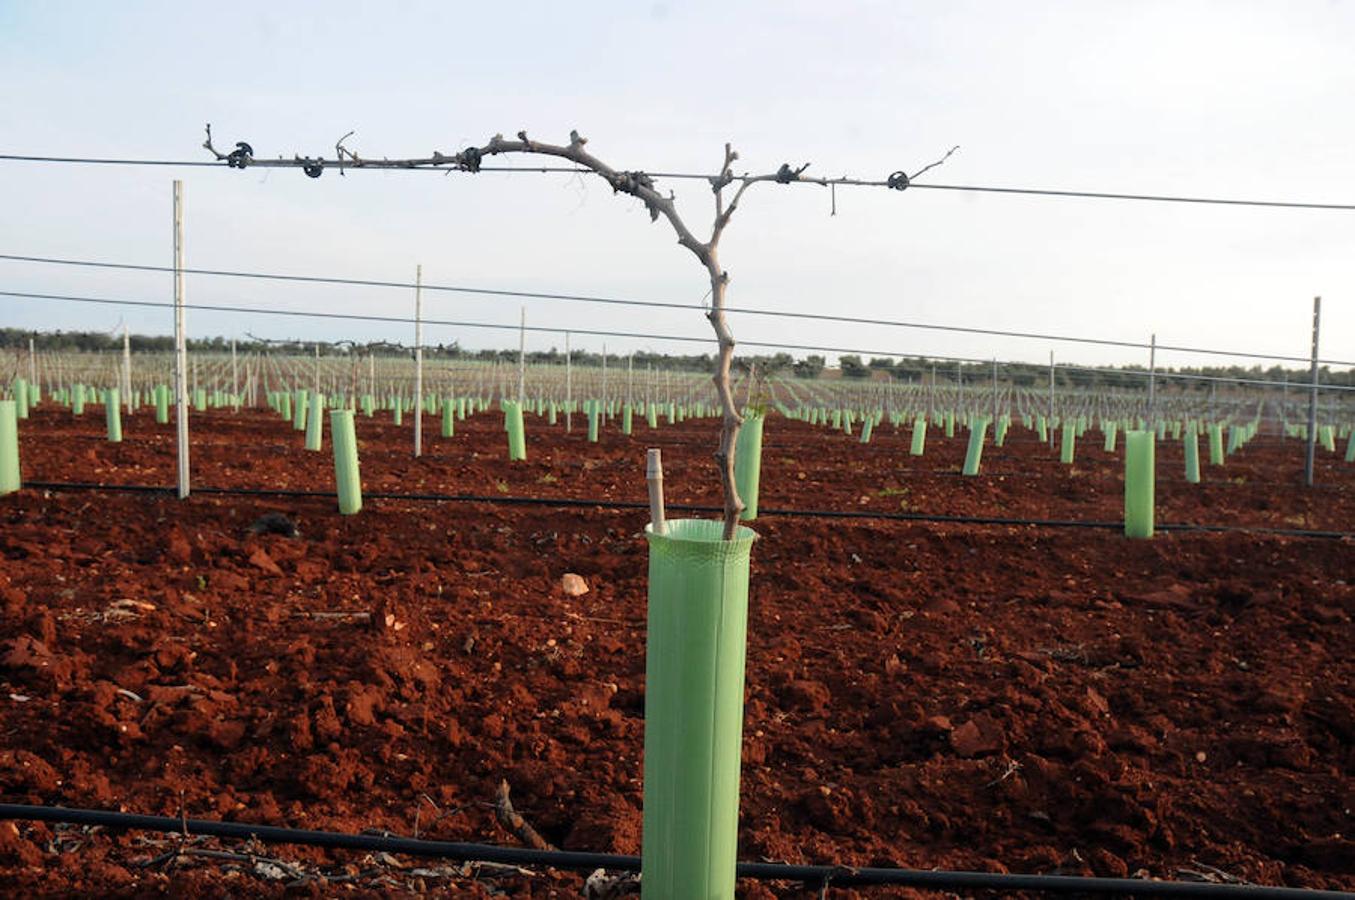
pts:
[509, 819]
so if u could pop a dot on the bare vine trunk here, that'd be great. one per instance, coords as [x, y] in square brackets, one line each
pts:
[731, 421]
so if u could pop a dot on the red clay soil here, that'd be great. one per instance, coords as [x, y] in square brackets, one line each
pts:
[969, 697]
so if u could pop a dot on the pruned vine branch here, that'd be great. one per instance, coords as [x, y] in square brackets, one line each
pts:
[637, 184]
[926, 168]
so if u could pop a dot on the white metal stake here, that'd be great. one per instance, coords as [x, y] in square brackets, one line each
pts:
[630, 365]
[1312, 397]
[522, 355]
[995, 396]
[127, 369]
[235, 379]
[1152, 382]
[180, 348]
[32, 364]
[603, 413]
[418, 361]
[1049, 426]
[569, 388]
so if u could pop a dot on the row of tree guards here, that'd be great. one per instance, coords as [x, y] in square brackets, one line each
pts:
[305, 409]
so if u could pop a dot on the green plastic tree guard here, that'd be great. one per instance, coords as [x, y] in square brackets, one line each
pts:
[448, 418]
[34, 394]
[950, 424]
[867, 426]
[1139, 483]
[9, 447]
[315, 421]
[1042, 429]
[652, 416]
[113, 415]
[517, 438]
[161, 404]
[200, 400]
[627, 415]
[1327, 436]
[78, 401]
[1350, 447]
[919, 436]
[1216, 445]
[1068, 433]
[973, 456]
[347, 475]
[21, 398]
[299, 408]
[1000, 431]
[1110, 432]
[748, 464]
[594, 415]
[694, 680]
[398, 412]
[1192, 447]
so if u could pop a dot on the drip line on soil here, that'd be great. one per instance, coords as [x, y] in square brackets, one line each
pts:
[826, 876]
[572, 502]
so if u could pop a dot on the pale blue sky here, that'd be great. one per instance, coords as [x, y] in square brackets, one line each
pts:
[1227, 98]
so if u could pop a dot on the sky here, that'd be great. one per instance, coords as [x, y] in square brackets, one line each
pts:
[1227, 99]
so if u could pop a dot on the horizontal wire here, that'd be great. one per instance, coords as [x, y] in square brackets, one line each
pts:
[637, 505]
[661, 304]
[398, 166]
[1162, 376]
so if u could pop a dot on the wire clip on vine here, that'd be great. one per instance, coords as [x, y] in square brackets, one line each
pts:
[241, 156]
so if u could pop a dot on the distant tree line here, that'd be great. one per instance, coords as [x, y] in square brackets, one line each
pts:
[920, 369]
[915, 369]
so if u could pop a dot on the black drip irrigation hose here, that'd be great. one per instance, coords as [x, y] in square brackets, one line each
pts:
[765, 512]
[826, 876]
